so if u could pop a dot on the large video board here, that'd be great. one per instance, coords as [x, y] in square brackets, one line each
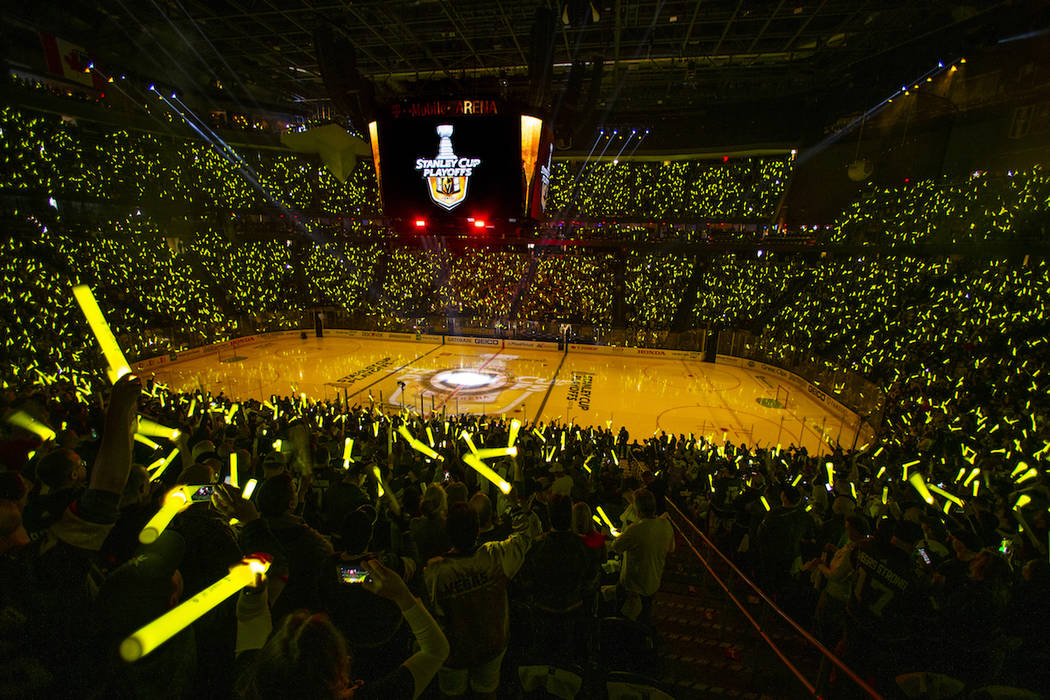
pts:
[446, 162]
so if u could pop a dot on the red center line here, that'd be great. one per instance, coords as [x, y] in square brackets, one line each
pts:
[456, 390]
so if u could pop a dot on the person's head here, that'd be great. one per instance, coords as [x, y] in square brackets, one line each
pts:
[843, 506]
[434, 501]
[61, 469]
[856, 528]
[789, 496]
[462, 527]
[456, 492]
[582, 524]
[198, 473]
[306, 657]
[965, 543]
[13, 488]
[645, 503]
[356, 530]
[277, 496]
[482, 505]
[560, 510]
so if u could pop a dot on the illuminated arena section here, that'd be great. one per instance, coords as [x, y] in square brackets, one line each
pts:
[644, 390]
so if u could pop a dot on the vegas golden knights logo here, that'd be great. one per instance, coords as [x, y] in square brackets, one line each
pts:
[447, 175]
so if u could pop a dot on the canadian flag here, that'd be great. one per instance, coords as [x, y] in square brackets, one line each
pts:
[69, 61]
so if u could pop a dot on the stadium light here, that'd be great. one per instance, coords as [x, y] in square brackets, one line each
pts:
[421, 223]
[479, 223]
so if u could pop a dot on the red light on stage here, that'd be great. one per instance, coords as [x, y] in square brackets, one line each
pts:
[725, 159]
[420, 223]
[479, 223]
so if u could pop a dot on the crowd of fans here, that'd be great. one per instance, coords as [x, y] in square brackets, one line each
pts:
[846, 541]
[1010, 206]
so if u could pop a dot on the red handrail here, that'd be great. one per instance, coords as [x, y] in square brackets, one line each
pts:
[806, 635]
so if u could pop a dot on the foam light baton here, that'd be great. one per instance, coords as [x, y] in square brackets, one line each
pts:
[176, 500]
[950, 496]
[424, 449]
[153, 429]
[348, 448]
[164, 464]
[972, 475]
[26, 422]
[831, 472]
[488, 452]
[249, 489]
[147, 638]
[470, 442]
[919, 483]
[146, 441]
[483, 469]
[512, 438]
[118, 365]
[605, 518]
[234, 478]
[430, 436]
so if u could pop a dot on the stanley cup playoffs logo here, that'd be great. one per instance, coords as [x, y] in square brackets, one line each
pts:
[447, 175]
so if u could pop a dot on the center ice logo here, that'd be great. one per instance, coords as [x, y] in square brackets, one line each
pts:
[447, 175]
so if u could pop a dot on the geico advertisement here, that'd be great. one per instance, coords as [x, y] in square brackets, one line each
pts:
[451, 167]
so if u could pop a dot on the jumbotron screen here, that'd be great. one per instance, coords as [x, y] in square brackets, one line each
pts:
[446, 163]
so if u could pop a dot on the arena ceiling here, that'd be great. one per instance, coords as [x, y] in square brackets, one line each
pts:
[659, 59]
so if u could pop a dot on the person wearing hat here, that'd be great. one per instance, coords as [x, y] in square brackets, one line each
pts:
[562, 484]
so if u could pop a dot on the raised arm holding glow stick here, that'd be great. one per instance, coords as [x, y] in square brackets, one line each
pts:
[154, 429]
[118, 365]
[144, 640]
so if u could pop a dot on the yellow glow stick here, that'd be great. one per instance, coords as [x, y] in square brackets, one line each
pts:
[794, 482]
[164, 464]
[919, 483]
[973, 474]
[348, 448]
[425, 450]
[27, 422]
[512, 438]
[1021, 466]
[147, 638]
[951, 497]
[616, 460]
[853, 490]
[483, 469]
[249, 489]
[430, 436]
[375, 429]
[1030, 474]
[613, 530]
[488, 452]
[882, 470]
[711, 482]
[538, 434]
[232, 412]
[550, 455]
[234, 479]
[118, 365]
[596, 519]
[976, 488]
[470, 443]
[563, 441]
[1023, 500]
[885, 494]
[948, 506]
[765, 503]
[193, 406]
[379, 478]
[146, 441]
[176, 500]
[277, 445]
[154, 429]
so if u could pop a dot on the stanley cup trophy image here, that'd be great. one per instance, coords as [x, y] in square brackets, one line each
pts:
[448, 174]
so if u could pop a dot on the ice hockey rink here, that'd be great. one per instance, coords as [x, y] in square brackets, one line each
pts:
[645, 390]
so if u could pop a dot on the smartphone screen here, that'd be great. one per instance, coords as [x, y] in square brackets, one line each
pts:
[829, 487]
[351, 574]
[203, 493]
[925, 556]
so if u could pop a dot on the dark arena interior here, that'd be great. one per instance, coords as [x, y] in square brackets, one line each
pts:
[402, 349]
